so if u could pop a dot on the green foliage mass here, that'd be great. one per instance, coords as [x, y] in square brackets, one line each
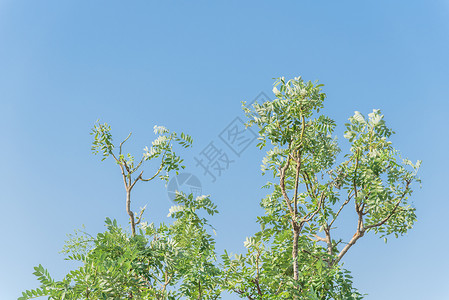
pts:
[160, 262]
[295, 255]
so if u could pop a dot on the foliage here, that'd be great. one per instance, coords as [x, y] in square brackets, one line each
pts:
[288, 258]
[162, 147]
[153, 262]
[295, 255]
[164, 262]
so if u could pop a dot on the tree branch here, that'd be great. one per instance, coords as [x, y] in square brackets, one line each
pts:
[327, 231]
[394, 209]
[360, 229]
[295, 196]
[353, 240]
[355, 174]
[313, 189]
[121, 144]
[138, 165]
[140, 215]
[341, 208]
[310, 215]
[136, 179]
[282, 171]
[259, 291]
[160, 167]
[157, 173]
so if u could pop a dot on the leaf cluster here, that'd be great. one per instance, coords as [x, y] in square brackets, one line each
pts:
[163, 262]
[296, 254]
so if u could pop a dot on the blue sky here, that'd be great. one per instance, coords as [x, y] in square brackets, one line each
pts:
[187, 66]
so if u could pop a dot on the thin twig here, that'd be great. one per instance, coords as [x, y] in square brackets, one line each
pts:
[121, 144]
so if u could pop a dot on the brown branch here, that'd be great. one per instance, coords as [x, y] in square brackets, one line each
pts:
[360, 218]
[311, 254]
[363, 207]
[327, 231]
[336, 244]
[136, 179]
[138, 165]
[257, 270]
[160, 167]
[394, 209]
[303, 121]
[121, 144]
[167, 281]
[355, 174]
[310, 215]
[341, 208]
[127, 169]
[307, 185]
[259, 291]
[353, 240]
[123, 173]
[130, 213]
[282, 171]
[318, 238]
[128, 188]
[140, 215]
[240, 292]
[157, 173]
[311, 186]
[295, 196]
[279, 288]
[114, 157]
[360, 230]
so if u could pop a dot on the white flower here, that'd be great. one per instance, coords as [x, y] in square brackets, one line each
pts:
[160, 129]
[276, 91]
[373, 153]
[302, 92]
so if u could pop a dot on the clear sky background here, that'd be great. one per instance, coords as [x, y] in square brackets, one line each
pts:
[187, 65]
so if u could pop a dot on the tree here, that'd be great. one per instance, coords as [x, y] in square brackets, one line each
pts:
[295, 255]
[289, 256]
[162, 146]
[153, 262]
